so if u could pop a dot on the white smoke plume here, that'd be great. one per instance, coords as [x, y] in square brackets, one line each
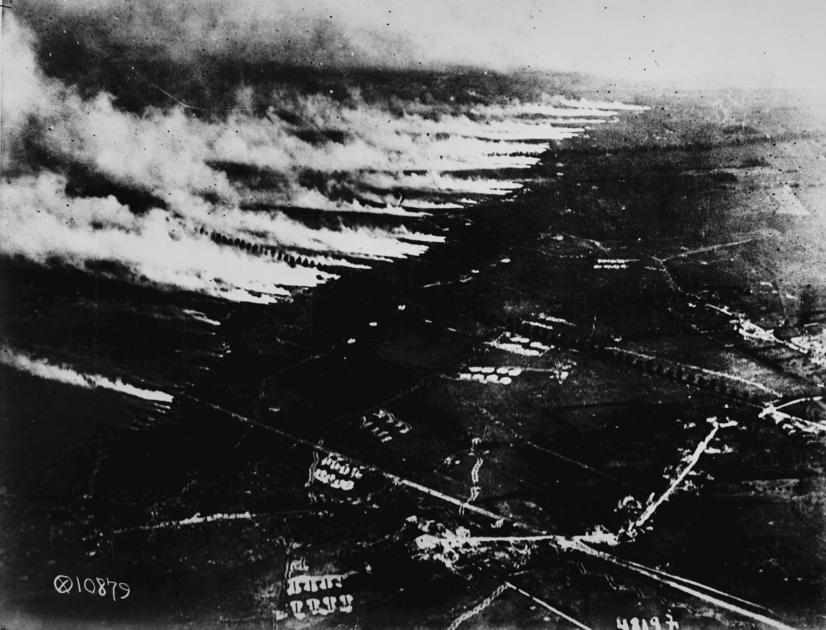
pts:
[376, 141]
[39, 221]
[161, 153]
[65, 374]
[192, 232]
[433, 181]
[493, 122]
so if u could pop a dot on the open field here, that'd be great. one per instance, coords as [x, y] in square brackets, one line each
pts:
[570, 401]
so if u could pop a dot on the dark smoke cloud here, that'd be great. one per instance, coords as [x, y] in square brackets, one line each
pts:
[286, 31]
[201, 50]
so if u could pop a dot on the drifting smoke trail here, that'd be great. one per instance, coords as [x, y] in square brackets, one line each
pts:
[374, 143]
[554, 107]
[437, 182]
[41, 222]
[163, 155]
[609, 105]
[190, 232]
[275, 228]
[300, 197]
[64, 374]
[496, 122]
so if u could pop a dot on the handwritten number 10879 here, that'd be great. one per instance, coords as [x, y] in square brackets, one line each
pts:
[102, 587]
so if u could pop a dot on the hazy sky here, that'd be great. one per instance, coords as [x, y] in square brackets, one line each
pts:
[750, 41]
[744, 42]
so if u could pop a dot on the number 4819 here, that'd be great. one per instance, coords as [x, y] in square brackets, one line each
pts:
[651, 624]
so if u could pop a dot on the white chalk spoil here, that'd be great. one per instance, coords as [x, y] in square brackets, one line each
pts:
[690, 463]
[195, 519]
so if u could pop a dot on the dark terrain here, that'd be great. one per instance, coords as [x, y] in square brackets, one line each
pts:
[624, 261]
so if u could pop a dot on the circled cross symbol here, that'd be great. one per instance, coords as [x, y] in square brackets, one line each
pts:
[63, 584]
